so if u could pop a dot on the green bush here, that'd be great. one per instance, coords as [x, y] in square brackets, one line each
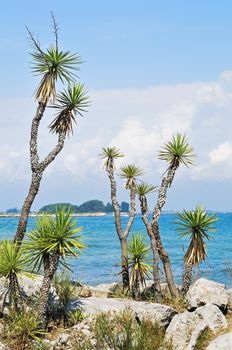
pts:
[123, 332]
[22, 331]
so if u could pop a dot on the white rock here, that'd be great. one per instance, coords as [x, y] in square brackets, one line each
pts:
[229, 294]
[185, 328]
[223, 342]
[155, 312]
[204, 292]
[63, 338]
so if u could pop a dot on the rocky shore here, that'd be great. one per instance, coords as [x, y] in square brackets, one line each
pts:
[208, 308]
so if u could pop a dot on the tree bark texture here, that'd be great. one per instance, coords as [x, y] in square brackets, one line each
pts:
[162, 195]
[118, 225]
[46, 285]
[187, 278]
[37, 168]
[156, 274]
[15, 295]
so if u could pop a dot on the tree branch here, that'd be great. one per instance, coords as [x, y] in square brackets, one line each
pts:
[52, 155]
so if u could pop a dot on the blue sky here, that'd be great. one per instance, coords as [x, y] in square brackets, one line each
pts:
[152, 68]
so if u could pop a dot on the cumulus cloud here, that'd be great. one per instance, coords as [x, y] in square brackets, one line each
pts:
[138, 121]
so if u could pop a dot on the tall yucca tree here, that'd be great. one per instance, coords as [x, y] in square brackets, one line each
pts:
[129, 173]
[139, 263]
[52, 65]
[197, 225]
[175, 152]
[142, 190]
[51, 242]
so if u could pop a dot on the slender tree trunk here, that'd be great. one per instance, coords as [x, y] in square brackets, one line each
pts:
[165, 184]
[15, 295]
[136, 287]
[124, 263]
[156, 274]
[33, 190]
[166, 262]
[46, 285]
[187, 278]
[37, 172]
[118, 225]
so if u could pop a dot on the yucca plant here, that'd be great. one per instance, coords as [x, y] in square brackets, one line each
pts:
[175, 152]
[142, 190]
[197, 225]
[139, 263]
[13, 264]
[129, 173]
[52, 244]
[52, 65]
[70, 103]
[110, 154]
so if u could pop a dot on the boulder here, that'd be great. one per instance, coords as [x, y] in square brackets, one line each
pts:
[30, 286]
[223, 342]
[204, 292]
[185, 328]
[155, 312]
[229, 305]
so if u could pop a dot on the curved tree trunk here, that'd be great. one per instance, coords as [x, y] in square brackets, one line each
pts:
[118, 225]
[165, 184]
[187, 278]
[33, 190]
[37, 171]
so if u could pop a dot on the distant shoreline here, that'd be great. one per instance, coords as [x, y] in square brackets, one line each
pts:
[33, 215]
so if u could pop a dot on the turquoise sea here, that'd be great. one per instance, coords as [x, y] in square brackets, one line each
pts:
[99, 263]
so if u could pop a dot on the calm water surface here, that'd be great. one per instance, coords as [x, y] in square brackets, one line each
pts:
[99, 262]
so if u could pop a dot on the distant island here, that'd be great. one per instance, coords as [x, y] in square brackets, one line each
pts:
[92, 206]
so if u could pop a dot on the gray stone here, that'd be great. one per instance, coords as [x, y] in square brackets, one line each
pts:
[155, 312]
[185, 328]
[223, 342]
[204, 292]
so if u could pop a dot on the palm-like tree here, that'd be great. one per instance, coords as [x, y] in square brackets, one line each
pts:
[139, 263]
[129, 173]
[197, 225]
[52, 65]
[51, 243]
[13, 265]
[175, 152]
[142, 190]
[70, 103]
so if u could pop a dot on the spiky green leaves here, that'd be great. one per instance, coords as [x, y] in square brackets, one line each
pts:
[197, 224]
[130, 173]
[110, 154]
[70, 103]
[52, 65]
[12, 260]
[138, 254]
[142, 189]
[54, 236]
[177, 151]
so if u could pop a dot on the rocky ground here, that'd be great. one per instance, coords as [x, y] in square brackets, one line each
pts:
[209, 308]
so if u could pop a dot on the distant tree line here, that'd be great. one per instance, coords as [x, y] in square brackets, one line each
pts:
[91, 206]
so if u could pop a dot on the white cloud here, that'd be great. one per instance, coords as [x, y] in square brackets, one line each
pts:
[137, 121]
[221, 154]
